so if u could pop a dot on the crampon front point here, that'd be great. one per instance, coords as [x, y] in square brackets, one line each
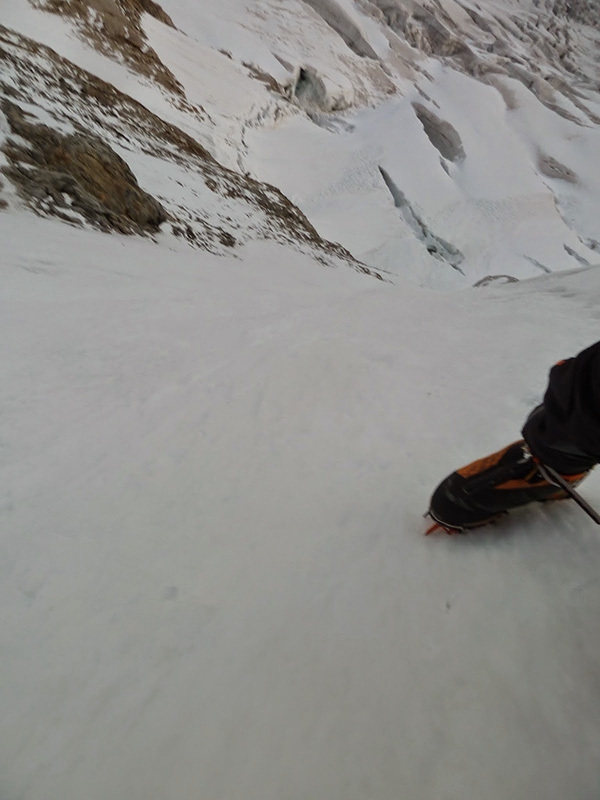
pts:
[437, 525]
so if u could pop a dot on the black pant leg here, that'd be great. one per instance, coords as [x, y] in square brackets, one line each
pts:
[564, 432]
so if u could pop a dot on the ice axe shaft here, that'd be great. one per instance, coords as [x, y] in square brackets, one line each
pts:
[558, 480]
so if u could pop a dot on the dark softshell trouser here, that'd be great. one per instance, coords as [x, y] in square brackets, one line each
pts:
[564, 432]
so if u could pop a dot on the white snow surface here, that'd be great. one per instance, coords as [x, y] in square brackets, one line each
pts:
[214, 578]
[496, 207]
[214, 582]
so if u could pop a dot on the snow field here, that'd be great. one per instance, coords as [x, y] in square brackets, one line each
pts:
[215, 579]
[213, 470]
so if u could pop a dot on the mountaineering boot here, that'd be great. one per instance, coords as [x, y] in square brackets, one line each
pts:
[484, 490]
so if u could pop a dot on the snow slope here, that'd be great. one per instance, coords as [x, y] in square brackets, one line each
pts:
[215, 582]
[465, 145]
[523, 197]
[214, 465]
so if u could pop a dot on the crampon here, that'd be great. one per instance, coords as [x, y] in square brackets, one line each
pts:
[438, 526]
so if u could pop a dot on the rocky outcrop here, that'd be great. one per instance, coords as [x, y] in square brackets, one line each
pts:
[552, 168]
[114, 27]
[77, 176]
[442, 135]
[72, 168]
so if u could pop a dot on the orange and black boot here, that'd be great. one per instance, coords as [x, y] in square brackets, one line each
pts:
[484, 490]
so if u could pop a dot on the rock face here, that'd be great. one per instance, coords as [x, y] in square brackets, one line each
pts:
[552, 168]
[77, 174]
[442, 135]
[75, 168]
[114, 27]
